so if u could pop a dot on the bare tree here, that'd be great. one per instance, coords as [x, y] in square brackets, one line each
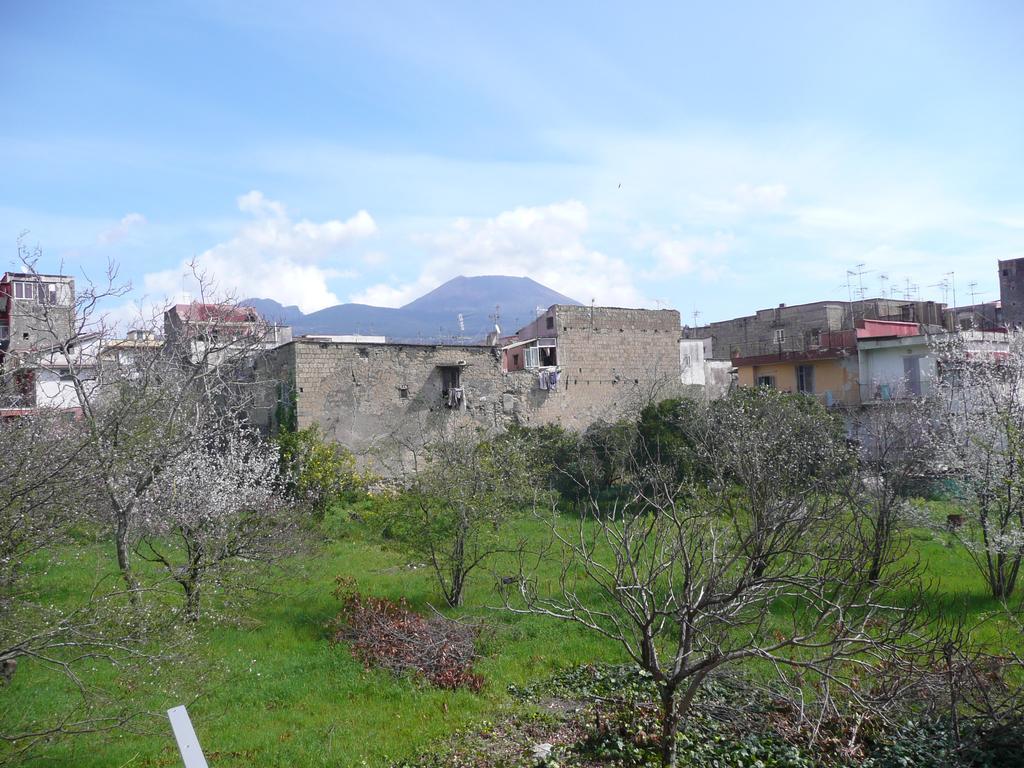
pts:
[42, 500]
[146, 405]
[755, 560]
[981, 434]
[455, 509]
[897, 452]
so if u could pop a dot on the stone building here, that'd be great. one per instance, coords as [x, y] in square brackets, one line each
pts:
[608, 360]
[1011, 290]
[799, 328]
[572, 366]
[983, 316]
[36, 311]
[37, 316]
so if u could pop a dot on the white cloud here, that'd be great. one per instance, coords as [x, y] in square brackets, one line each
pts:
[692, 254]
[374, 258]
[545, 243]
[120, 230]
[763, 196]
[272, 256]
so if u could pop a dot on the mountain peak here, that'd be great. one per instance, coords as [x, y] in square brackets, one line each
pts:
[435, 315]
[518, 295]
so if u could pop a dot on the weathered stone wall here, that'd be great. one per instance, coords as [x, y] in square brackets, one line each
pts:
[383, 400]
[718, 378]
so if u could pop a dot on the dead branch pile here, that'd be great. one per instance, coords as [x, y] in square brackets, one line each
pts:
[389, 635]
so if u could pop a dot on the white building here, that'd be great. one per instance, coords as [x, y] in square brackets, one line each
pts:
[898, 360]
[691, 362]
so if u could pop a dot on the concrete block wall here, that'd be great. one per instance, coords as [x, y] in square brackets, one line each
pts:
[1011, 290]
[755, 334]
[613, 361]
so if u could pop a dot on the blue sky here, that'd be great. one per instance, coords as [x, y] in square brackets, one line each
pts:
[716, 157]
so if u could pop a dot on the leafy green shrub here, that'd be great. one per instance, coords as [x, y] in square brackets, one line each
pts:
[730, 725]
[317, 472]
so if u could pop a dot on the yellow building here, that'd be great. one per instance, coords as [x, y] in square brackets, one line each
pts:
[827, 370]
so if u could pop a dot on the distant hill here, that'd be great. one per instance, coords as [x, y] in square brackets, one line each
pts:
[431, 317]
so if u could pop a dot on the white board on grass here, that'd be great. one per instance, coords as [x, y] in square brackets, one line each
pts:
[188, 743]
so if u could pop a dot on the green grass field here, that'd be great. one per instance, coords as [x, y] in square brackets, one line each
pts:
[280, 695]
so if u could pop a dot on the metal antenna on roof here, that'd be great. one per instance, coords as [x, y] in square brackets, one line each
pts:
[974, 294]
[860, 272]
[943, 285]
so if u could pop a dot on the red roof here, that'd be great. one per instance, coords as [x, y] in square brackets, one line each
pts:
[219, 313]
[886, 329]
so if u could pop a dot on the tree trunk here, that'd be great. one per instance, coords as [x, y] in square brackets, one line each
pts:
[878, 552]
[191, 588]
[669, 727]
[458, 572]
[124, 562]
[458, 583]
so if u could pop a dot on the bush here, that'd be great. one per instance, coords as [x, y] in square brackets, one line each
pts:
[317, 472]
[389, 635]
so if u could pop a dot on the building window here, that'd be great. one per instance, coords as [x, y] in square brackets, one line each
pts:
[5, 333]
[551, 322]
[47, 293]
[766, 381]
[451, 378]
[532, 357]
[515, 360]
[780, 335]
[805, 379]
[24, 290]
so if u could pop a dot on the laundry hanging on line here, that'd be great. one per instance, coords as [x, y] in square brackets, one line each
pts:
[454, 397]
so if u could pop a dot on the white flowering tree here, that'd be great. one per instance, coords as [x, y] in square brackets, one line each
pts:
[217, 510]
[143, 406]
[981, 434]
